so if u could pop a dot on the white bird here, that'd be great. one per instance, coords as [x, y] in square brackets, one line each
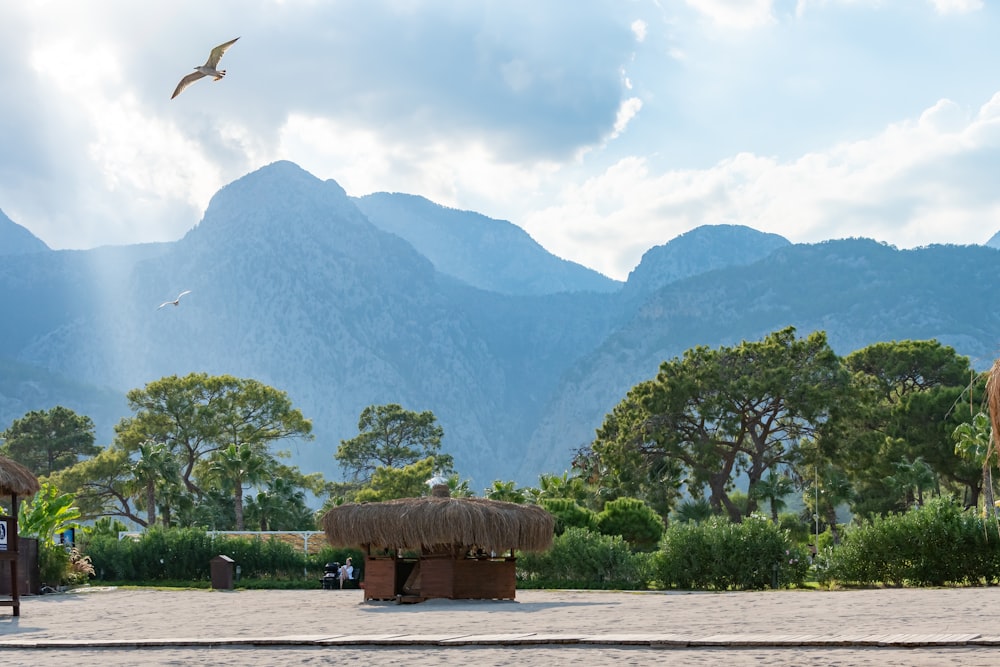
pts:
[208, 69]
[175, 301]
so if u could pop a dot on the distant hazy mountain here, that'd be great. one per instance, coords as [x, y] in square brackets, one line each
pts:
[994, 241]
[698, 251]
[858, 291]
[292, 284]
[16, 240]
[490, 254]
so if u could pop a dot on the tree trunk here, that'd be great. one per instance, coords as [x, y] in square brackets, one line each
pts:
[831, 520]
[151, 502]
[238, 506]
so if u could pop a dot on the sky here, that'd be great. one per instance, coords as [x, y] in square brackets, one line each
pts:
[601, 127]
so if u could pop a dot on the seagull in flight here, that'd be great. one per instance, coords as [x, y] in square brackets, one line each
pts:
[208, 69]
[175, 301]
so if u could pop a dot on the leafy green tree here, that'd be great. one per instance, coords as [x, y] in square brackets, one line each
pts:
[569, 514]
[45, 441]
[103, 485]
[391, 437]
[634, 520]
[909, 395]
[713, 414]
[391, 483]
[198, 415]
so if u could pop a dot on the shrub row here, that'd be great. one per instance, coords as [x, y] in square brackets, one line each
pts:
[185, 554]
[717, 554]
[720, 555]
[933, 545]
[582, 558]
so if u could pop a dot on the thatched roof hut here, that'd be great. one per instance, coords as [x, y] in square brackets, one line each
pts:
[16, 480]
[438, 546]
[432, 523]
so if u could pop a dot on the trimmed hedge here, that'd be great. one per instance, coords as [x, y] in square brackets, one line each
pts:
[933, 545]
[720, 555]
[184, 554]
[581, 558]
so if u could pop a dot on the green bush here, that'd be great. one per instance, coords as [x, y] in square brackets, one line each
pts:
[53, 563]
[933, 545]
[569, 514]
[185, 554]
[634, 520]
[580, 558]
[721, 555]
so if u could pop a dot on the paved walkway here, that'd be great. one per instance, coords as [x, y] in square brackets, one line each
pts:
[845, 628]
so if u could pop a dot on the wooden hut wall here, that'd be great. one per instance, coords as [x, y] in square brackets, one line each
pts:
[437, 576]
[380, 578]
[484, 580]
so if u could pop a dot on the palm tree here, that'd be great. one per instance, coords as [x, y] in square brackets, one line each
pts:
[834, 490]
[693, 511]
[506, 491]
[912, 478]
[155, 467]
[457, 487]
[239, 465]
[563, 486]
[282, 506]
[773, 490]
[972, 443]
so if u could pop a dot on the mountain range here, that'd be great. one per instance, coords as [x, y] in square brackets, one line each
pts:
[346, 302]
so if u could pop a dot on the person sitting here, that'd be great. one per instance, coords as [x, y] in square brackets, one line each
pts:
[346, 573]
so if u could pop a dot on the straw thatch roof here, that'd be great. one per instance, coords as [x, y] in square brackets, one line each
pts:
[16, 479]
[431, 523]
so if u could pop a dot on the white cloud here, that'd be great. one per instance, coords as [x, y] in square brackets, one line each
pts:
[957, 6]
[626, 112]
[739, 14]
[639, 29]
[915, 183]
[365, 161]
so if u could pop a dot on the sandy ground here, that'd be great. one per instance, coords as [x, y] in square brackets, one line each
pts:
[150, 614]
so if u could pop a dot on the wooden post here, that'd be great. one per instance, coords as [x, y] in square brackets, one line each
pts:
[9, 553]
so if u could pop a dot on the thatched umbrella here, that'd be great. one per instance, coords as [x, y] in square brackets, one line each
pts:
[435, 523]
[16, 480]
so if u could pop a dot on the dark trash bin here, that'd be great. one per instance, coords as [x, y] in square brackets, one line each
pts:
[222, 572]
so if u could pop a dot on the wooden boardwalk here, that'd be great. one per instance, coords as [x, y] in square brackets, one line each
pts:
[654, 641]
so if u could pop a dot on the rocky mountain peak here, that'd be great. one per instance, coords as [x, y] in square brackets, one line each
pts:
[16, 240]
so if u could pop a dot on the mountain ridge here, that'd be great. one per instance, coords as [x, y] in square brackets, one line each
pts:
[294, 285]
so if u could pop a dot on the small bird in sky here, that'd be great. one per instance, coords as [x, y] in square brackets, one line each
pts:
[175, 301]
[208, 69]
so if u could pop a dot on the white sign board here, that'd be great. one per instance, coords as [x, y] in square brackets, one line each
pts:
[3, 535]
